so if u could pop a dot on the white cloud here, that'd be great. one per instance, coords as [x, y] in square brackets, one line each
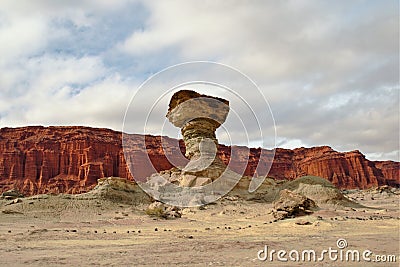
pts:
[20, 37]
[329, 69]
[67, 91]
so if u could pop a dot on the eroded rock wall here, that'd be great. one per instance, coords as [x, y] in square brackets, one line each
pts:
[70, 160]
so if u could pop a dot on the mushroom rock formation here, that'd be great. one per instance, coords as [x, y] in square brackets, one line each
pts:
[199, 116]
[205, 178]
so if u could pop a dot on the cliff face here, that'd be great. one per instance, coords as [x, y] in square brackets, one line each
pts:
[71, 159]
[58, 159]
[390, 170]
[345, 170]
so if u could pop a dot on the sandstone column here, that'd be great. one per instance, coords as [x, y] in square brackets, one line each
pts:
[199, 116]
[205, 178]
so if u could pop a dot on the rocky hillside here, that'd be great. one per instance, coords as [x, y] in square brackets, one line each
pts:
[71, 159]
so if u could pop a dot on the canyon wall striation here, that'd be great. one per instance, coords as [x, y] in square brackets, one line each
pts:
[70, 159]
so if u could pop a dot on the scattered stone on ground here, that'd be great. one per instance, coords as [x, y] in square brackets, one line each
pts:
[9, 211]
[303, 222]
[38, 231]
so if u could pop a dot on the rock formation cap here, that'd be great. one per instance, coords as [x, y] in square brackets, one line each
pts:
[187, 105]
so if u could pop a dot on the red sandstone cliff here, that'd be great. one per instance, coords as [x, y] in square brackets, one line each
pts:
[390, 170]
[71, 159]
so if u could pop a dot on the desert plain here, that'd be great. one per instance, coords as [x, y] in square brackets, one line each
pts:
[66, 230]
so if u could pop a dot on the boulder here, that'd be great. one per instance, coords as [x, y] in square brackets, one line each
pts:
[319, 190]
[160, 210]
[291, 205]
[11, 194]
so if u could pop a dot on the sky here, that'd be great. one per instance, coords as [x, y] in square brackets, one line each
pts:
[328, 69]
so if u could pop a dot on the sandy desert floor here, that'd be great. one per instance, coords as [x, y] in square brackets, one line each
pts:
[56, 230]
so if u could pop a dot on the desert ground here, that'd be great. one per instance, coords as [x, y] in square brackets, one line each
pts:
[61, 230]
